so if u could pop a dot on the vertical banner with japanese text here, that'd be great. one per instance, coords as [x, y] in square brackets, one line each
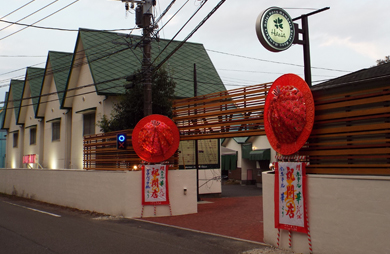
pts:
[155, 185]
[290, 194]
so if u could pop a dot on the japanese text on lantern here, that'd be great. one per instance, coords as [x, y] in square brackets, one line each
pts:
[289, 196]
[155, 185]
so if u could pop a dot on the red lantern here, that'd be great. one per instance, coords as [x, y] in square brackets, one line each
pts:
[289, 114]
[155, 138]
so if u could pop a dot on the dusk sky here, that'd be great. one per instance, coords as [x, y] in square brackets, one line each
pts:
[350, 36]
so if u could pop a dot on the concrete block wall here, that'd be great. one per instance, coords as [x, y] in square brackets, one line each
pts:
[117, 193]
[347, 214]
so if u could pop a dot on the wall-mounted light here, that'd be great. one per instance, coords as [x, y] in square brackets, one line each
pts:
[185, 191]
[254, 148]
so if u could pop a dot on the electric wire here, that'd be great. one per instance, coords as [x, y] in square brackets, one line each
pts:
[173, 16]
[64, 29]
[269, 61]
[44, 7]
[185, 24]
[39, 20]
[17, 9]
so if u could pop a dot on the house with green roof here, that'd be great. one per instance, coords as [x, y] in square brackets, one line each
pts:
[3, 136]
[33, 128]
[56, 122]
[10, 123]
[102, 61]
[63, 102]
[254, 154]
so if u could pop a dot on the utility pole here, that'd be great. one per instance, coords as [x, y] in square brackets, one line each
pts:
[143, 15]
[147, 64]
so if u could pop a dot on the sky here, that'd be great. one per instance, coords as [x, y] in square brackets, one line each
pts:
[348, 37]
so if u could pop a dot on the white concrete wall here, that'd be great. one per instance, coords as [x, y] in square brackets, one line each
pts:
[54, 151]
[210, 181]
[115, 193]
[87, 98]
[29, 121]
[14, 154]
[347, 214]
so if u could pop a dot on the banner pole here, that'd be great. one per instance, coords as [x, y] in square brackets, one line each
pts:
[308, 232]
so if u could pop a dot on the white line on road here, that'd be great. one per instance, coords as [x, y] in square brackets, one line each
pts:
[35, 210]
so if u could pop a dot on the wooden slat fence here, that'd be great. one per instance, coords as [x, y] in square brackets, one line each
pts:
[232, 113]
[100, 153]
[351, 133]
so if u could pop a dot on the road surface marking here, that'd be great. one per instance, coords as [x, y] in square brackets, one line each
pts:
[35, 210]
[203, 232]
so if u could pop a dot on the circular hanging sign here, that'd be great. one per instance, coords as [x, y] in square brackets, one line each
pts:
[155, 138]
[275, 29]
[288, 114]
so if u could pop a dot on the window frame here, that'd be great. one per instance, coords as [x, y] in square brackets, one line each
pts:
[15, 140]
[56, 134]
[33, 138]
[89, 123]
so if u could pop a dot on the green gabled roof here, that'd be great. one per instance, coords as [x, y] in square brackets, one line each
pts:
[4, 110]
[241, 140]
[60, 65]
[35, 77]
[2, 115]
[17, 92]
[111, 55]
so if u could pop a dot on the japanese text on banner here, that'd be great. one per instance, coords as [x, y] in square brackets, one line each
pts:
[290, 190]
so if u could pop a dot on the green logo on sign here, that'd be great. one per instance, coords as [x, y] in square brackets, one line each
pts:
[278, 23]
[275, 29]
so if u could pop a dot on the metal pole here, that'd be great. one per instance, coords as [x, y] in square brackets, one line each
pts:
[306, 49]
[146, 65]
[196, 141]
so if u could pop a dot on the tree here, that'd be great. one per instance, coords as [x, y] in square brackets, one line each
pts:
[383, 61]
[130, 108]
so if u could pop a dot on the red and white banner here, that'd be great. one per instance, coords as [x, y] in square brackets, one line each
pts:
[290, 196]
[30, 158]
[155, 185]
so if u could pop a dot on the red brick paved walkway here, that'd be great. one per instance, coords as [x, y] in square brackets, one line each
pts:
[240, 217]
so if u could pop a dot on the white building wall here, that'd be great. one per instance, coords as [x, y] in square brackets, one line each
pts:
[347, 214]
[54, 151]
[14, 154]
[210, 181]
[115, 193]
[85, 98]
[231, 144]
[29, 121]
[261, 142]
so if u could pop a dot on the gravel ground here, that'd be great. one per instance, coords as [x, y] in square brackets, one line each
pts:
[268, 250]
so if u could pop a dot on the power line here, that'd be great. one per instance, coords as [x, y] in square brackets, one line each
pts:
[192, 32]
[17, 9]
[185, 24]
[44, 7]
[269, 61]
[39, 20]
[63, 29]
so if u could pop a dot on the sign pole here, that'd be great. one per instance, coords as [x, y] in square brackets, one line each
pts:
[305, 42]
[196, 141]
[306, 50]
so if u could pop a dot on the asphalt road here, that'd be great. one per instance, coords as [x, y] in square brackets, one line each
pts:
[32, 227]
